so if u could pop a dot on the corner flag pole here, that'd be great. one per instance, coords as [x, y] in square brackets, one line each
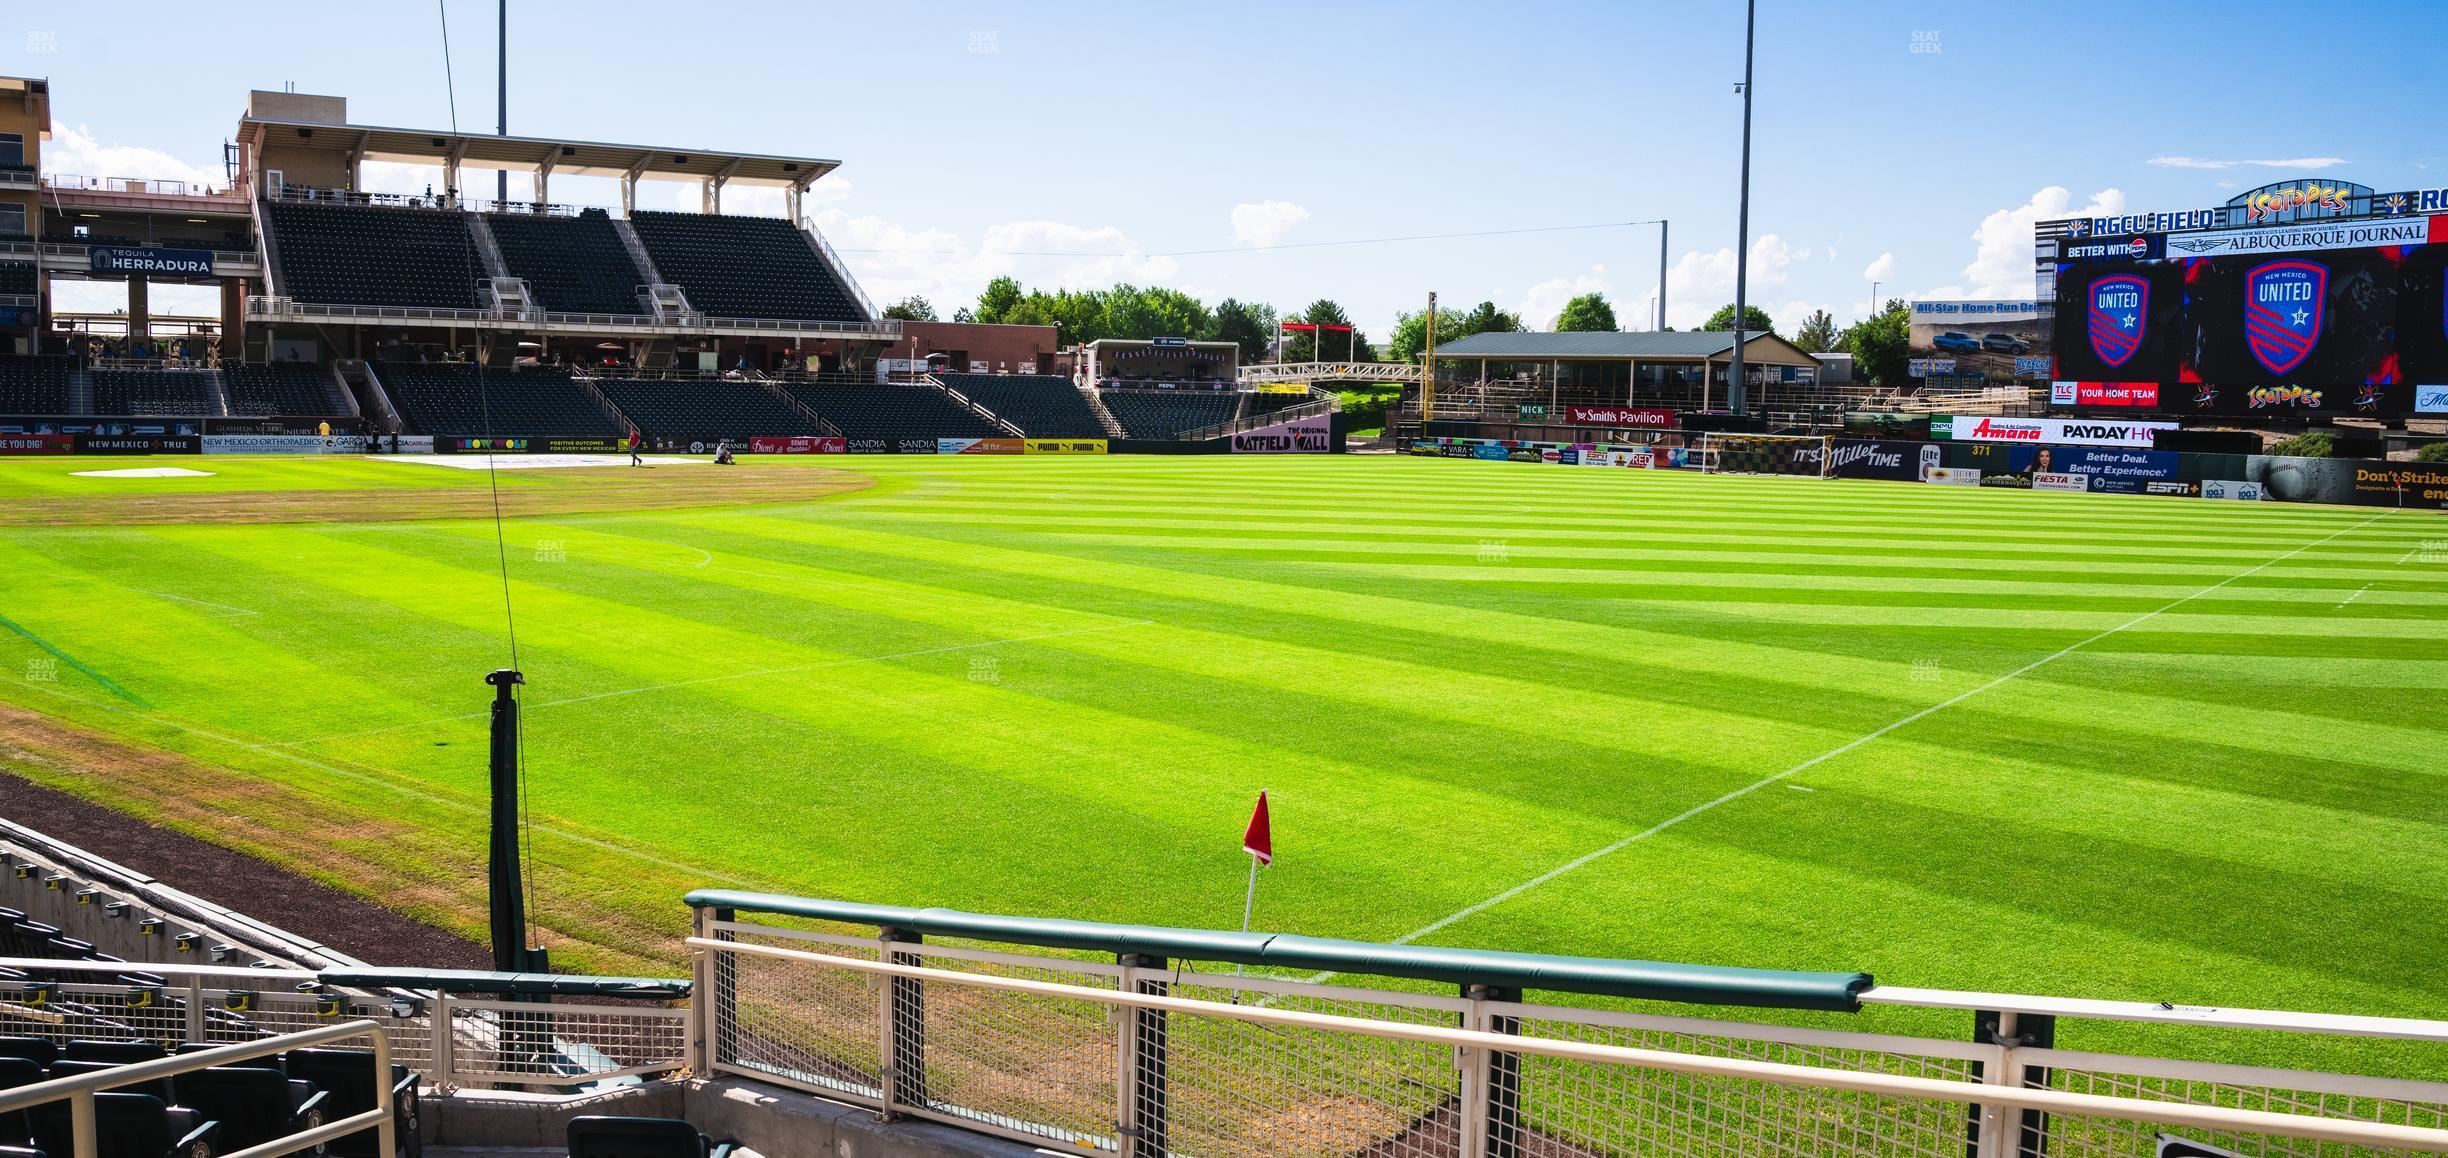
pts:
[1258, 840]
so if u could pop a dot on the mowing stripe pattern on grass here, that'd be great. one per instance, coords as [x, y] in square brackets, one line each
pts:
[2117, 746]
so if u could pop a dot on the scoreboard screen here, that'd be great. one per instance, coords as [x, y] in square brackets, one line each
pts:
[2337, 318]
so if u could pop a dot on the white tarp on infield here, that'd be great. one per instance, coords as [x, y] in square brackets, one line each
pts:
[145, 472]
[532, 461]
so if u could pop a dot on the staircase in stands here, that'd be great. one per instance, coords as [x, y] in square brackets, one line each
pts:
[1105, 418]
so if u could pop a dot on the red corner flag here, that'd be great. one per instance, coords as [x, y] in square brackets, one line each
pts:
[1258, 839]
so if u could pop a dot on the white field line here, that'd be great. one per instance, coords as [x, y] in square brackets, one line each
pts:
[737, 675]
[1697, 810]
[228, 611]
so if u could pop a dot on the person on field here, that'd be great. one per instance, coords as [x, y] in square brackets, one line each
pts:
[722, 452]
[636, 443]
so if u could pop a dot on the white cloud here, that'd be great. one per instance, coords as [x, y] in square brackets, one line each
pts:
[1542, 303]
[1700, 284]
[2002, 266]
[73, 149]
[2314, 163]
[893, 261]
[1265, 222]
[1881, 269]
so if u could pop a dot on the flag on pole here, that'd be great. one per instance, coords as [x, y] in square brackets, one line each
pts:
[1258, 839]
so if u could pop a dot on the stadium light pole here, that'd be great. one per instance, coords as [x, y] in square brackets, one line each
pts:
[1735, 393]
[501, 123]
[1661, 294]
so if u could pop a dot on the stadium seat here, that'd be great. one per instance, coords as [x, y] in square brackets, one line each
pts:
[154, 392]
[892, 411]
[457, 399]
[126, 1126]
[571, 264]
[114, 1052]
[35, 385]
[609, 1136]
[279, 388]
[1045, 405]
[1270, 401]
[16, 277]
[42, 1051]
[253, 1104]
[366, 255]
[744, 267]
[346, 1077]
[705, 408]
[157, 1088]
[1165, 414]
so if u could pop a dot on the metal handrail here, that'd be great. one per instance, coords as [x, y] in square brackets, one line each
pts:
[1991, 1098]
[257, 304]
[81, 1088]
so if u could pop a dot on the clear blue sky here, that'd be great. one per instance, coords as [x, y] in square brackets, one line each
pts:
[1139, 128]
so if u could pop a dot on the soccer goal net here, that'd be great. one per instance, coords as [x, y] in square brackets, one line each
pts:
[1796, 454]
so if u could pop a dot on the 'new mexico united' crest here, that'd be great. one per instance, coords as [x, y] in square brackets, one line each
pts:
[2120, 311]
[2283, 301]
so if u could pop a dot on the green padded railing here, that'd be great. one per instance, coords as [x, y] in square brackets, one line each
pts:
[1607, 976]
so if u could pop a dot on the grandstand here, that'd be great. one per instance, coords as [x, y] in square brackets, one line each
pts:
[1166, 414]
[459, 400]
[892, 410]
[577, 264]
[281, 388]
[745, 267]
[155, 392]
[322, 254]
[1043, 405]
[35, 385]
[707, 409]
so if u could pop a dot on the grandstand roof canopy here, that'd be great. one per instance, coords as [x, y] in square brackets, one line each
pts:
[567, 157]
[1667, 346]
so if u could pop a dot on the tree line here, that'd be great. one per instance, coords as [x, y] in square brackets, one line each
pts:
[1880, 344]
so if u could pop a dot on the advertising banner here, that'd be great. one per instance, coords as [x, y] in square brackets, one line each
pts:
[2300, 238]
[1869, 458]
[2140, 395]
[1062, 446]
[37, 443]
[2072, 431]
[2052, 481]
[977, 446]
[138, 444]
[2369, 482]
[533, 445]
[866, 446]
[144, 259]
[1984, 339]
[2126, 472]
[1952, 476]
[796, 445]
[2220, 488]
[1491, 451]
[913, 446]
[1622, 417]
[2431, 399]
[283, 444]
[1299, 436]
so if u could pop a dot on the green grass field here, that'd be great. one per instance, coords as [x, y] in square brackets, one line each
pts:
[2082, 745]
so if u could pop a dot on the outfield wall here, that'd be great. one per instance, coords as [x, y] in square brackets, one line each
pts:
[2020, 466]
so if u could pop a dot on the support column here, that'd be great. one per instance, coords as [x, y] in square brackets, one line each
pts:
[139, 308]
[1145, 1055]
[1993, 1131]
[904, 1028]
[233, 319]
[1492, 1082]
[713, 195]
